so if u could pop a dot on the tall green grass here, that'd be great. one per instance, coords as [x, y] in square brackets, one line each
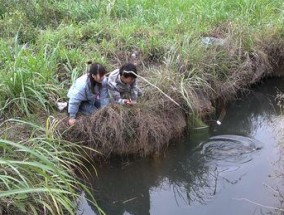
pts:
[25, 86]
[30, 80]
[37, 174]
[46, 50]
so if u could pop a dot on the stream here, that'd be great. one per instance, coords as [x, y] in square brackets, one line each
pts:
[233, 168]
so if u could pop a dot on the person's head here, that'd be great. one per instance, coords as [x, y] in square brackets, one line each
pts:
[96, 74]
[128, 73]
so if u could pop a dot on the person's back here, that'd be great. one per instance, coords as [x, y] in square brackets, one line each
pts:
[78, 88]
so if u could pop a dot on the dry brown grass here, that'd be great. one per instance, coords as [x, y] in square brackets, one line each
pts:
[273, 47]
[141, 129]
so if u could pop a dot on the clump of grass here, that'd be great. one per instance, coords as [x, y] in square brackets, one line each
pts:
[37, 174]
[272, 46]
[141, 130]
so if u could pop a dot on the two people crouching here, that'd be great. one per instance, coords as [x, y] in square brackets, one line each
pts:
[95, 90]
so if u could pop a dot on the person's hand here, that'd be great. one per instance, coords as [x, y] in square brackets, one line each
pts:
[71, 121]
[129, 102]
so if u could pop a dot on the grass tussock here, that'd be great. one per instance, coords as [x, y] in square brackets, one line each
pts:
[140, 130]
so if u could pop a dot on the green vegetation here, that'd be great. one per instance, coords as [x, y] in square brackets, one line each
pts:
[37, 174]
[44, 46]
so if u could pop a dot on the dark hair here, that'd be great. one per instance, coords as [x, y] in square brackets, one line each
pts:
[94, 69]
[128, 67]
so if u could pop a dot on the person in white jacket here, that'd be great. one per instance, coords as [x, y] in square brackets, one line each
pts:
[88, 93]
[122, 85]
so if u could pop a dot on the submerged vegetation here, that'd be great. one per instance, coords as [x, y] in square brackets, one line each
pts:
[193, 52]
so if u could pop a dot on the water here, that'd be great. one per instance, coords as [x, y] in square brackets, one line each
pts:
[233, 168]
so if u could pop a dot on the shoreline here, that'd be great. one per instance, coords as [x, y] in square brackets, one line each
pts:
[149, 127]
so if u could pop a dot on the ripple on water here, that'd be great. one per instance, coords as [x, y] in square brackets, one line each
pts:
[225, 149]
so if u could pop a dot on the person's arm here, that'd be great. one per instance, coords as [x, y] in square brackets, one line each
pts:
[73, 107]
[135, 91]
[76, 94]
[104, 95]
[116, 96]
[113, 92]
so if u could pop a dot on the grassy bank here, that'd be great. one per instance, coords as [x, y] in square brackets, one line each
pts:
[43, 50]
[44, 46]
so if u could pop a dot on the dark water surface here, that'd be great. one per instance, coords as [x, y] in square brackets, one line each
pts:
[228, 169]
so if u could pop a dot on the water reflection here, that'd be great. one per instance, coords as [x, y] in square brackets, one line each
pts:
[192, 177]
[201, 178]
[130, 189]
[252, 110]
[231, 149]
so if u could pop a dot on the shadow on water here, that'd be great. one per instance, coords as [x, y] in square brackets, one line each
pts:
[216, 171]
